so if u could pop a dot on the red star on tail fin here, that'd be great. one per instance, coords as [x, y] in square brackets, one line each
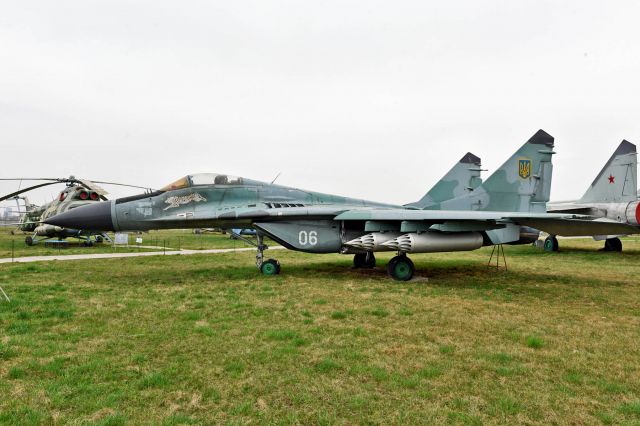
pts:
[612, 179]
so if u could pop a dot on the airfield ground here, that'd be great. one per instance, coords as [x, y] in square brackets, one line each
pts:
[205, 339]
[152, 241]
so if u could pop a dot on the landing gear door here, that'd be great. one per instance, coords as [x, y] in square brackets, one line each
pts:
[312, 236]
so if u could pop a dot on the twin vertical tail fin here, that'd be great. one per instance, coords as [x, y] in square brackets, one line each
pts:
[463, 178]
[521, 184]
[617, 182]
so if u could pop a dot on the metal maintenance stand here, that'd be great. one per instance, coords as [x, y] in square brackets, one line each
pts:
[5, 295]
[497, 251]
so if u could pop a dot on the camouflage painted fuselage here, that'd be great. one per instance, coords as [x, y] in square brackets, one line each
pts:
[225, 206]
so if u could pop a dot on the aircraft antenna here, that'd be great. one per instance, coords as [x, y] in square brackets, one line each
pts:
[275, 178]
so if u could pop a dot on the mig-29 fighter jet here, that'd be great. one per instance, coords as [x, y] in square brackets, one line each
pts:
[491, 214]
[611, 197]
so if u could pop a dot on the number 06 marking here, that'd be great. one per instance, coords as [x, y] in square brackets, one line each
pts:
[308, 238]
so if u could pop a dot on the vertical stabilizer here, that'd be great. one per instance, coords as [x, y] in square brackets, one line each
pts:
[617, 181]
[462, 179]
[521, 184]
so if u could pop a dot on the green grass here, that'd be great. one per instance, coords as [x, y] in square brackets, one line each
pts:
[151, 241]
[205, 339]
[534, 342]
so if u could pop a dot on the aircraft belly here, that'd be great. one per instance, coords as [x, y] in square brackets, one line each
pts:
[317, 236]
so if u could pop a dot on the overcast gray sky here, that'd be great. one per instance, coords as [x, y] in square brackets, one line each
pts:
[370, 99]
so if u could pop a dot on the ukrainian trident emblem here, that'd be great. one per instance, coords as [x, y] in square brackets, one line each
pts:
[524, 168]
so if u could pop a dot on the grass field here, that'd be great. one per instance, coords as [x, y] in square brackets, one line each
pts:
[172, 239]
[205, 339]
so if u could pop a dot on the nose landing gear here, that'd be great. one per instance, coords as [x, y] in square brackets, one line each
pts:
[267, 267]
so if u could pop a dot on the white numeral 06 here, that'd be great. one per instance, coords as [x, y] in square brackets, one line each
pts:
[310, 238]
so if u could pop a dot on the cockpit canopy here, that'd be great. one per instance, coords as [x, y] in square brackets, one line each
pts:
[203, 179]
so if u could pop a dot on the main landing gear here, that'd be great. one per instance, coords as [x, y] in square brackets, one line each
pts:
[269, 266]
[364, 260]
[612, 244]
[401, 268]
[551, 243]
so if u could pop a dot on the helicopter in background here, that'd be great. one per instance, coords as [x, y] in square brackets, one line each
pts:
[78, 192]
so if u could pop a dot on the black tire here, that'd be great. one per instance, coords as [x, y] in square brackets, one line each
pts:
[28, 240]
[401, 268]
[364, 260]
[99, 239]
[270, 267]
[551, 244]
[87, 243]
[613, 244]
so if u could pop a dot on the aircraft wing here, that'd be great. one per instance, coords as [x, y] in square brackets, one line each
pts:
[552, 223]
[442, 215]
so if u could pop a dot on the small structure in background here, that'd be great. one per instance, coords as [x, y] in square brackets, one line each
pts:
[121, 239]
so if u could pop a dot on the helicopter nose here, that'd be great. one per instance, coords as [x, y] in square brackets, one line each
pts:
[92, 217]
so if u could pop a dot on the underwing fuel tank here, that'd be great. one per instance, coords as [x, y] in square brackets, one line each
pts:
[435, 242]
[373, 241]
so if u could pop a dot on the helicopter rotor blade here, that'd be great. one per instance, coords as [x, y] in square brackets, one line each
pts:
[13, 194]
[77, 180]
[53, 179]
[121, 184]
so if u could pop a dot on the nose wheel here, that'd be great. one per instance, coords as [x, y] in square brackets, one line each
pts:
[270, 267]
[401, 268]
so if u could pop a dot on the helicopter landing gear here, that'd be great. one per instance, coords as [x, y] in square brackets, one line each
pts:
[551, 243]
[364, 260]
[612, 244]
[401, 268]
[28, 240]
[267, 267]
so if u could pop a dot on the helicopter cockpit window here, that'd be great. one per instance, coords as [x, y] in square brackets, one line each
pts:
[214, 179]
[179, 184]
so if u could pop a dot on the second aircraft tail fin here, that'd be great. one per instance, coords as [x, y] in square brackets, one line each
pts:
[617, 181]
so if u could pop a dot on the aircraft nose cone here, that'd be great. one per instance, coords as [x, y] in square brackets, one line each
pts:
[92, 217]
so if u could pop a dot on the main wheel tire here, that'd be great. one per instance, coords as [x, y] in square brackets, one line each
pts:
[99, 239]
[613, 244]
[551, 244]
[401, 268]
[270, 267]
[28, 240]
[364, 261]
